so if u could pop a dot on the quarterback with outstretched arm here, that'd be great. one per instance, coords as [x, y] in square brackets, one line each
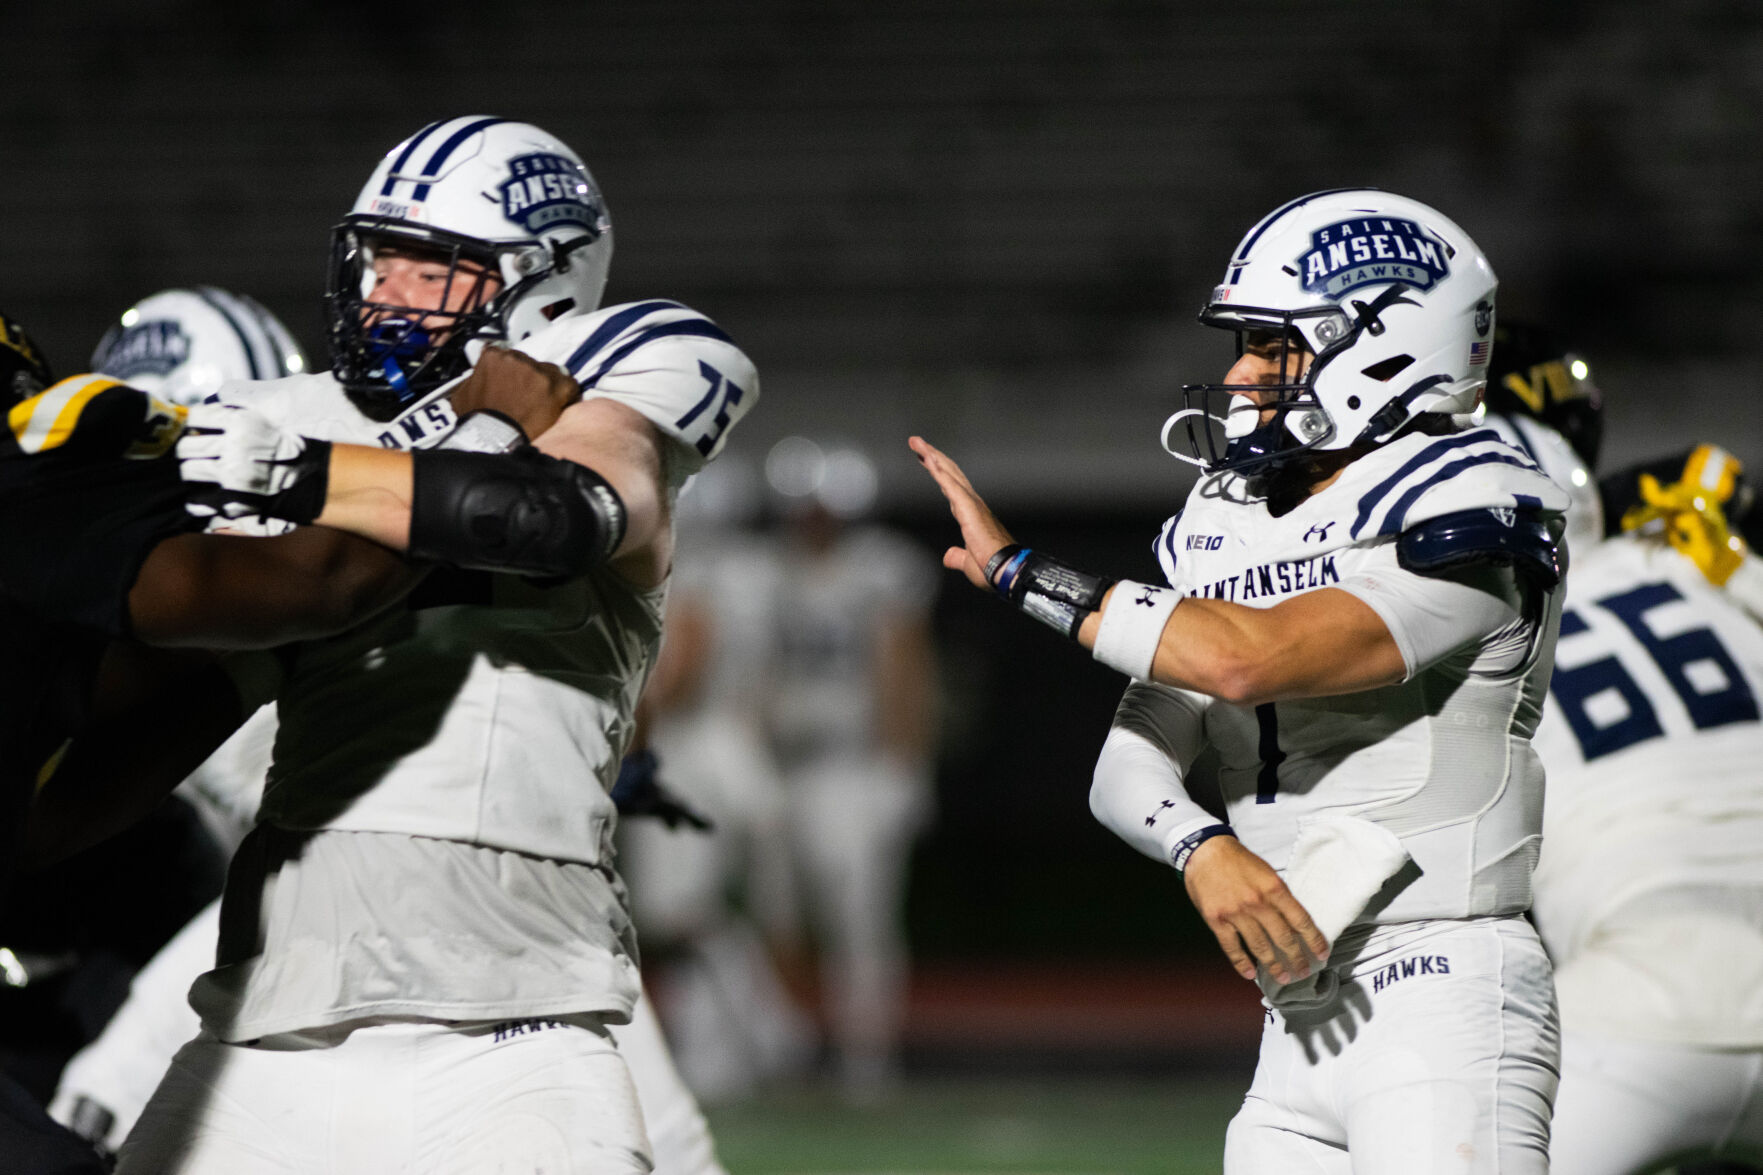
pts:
[1359, 619]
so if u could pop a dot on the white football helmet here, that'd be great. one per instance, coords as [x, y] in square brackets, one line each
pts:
[182, 344]
[1393, 299]
[504, 194]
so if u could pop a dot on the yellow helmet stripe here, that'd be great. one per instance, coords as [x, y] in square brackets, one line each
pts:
[1712, 469]
[46, 420]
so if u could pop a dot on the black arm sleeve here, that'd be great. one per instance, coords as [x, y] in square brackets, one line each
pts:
[523, 512]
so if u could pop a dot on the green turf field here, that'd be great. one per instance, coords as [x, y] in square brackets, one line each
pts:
[1024, 1127]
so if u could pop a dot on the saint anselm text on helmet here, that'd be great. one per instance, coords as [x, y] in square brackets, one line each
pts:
[546, 190]
[1353, 253]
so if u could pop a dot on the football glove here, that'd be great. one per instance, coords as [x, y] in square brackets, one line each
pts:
[639, 792]
[240, 464]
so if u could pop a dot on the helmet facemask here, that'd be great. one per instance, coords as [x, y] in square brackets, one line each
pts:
[1252, 440]
[388, 355]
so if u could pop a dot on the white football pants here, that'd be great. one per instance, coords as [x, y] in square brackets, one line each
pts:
[1436, 1056]
[852, 823]
[1629, 1106]
[120, 1069]
[397, 1098]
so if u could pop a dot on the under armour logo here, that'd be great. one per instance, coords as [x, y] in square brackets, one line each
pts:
[1148, 597]
[1505, 514]
[1319, 532]
[1151, 820]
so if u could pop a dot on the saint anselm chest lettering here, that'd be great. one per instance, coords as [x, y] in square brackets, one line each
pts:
[1272, 579]
[409, 432]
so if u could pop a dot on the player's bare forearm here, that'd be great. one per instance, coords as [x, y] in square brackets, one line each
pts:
[619, 444]
[1251, 912]
[135, 752]
[369, 494]
[233, 592]
[1318, 644]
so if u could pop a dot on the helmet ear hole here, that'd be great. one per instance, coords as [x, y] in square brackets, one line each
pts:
[558, 309]
[1385, 370]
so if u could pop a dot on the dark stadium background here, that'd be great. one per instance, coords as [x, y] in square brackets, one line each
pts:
[989, 221]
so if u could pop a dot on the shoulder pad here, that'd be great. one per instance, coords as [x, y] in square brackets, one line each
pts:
[1504, 537]
[667, 361]
[1439, 476]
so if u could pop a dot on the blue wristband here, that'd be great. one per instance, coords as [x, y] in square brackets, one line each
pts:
[1005, 579]
[1184, 848]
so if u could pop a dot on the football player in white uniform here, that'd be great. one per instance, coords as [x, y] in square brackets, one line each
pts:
[852, 712]
[182, 345]
[700, 900]
[1649, 892]
[424, 939]
[1360, 622]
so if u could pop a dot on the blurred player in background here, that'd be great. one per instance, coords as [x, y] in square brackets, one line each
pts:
[852, 703]
[1361, 624]
[1649, 893]
[428, 896]
[697, 895]
[183, 344]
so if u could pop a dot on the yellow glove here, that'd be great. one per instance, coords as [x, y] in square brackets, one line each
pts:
[1690, 512]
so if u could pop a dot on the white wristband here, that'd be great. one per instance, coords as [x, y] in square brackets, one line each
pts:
[1132, 627]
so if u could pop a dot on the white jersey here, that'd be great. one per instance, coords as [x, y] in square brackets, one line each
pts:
[1442, 759]
[1650, 888]
[830, 611]
[489, 713]
[493, 709]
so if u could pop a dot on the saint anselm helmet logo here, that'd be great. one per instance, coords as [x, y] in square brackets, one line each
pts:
[153, 347]
[544, 191]
[1370, 251]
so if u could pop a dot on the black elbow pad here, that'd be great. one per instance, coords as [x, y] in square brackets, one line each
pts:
[522, 512]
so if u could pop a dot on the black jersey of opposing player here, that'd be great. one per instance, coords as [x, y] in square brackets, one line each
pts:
[88, 486]
[47, 671]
